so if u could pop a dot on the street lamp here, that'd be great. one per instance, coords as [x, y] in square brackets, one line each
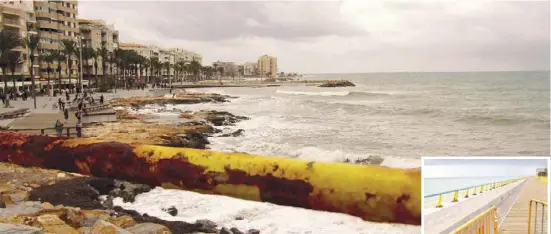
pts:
[80, 59]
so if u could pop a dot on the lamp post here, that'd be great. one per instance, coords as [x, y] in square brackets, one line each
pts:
[80, 63]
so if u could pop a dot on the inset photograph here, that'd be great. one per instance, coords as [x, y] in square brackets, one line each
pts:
[485, 195]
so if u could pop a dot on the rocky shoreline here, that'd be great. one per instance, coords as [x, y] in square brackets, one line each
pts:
[57, 202]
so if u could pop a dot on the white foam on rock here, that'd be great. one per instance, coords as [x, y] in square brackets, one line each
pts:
[266, 217]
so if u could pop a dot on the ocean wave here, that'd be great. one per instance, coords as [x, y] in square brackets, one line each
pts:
[335, 93]
[501, 119]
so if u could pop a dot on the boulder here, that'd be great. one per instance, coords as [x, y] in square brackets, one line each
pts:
[225, 231]
[124, 221]
[237, 133]
[86, 218]
[253, 231]
[234, 230]
[149, 228]
[51, 223]
[171, 210]
[336, 83]
[22, 208]
[103, 227]
[128, 191]
[8, 228]
[205, 225]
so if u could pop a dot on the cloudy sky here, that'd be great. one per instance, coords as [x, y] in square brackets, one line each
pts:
[443, 168]
[343, 36]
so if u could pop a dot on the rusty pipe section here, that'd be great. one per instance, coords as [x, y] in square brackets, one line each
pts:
[373, 193]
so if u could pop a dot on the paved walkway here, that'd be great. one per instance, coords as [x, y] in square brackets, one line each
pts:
[516, 221]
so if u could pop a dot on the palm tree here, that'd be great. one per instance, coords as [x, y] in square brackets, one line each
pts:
[49, 59]
[111, 60]
[195, 68]
[8, 41]
[95, 56]
[69, 49]
[103, 53]
[166, 65]
[14, 58]
[32, 44]
[59, 57]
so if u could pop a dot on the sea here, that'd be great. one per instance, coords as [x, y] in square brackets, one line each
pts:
[433, 186]
[395, 117]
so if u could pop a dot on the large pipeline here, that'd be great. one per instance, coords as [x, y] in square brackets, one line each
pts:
[373, 193]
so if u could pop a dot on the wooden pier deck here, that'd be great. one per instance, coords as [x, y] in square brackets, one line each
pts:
[516, 221]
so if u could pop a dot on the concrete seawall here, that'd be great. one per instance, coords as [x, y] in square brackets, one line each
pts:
[453, 215]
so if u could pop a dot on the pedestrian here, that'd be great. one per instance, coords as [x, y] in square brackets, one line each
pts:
[59, 127]
[60, 103]
[67, 95]
[79, 129]
[80, 105]
[101, 99]
[78, 115]
[66, 114]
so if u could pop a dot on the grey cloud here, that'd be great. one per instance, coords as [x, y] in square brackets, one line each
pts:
[213, 21]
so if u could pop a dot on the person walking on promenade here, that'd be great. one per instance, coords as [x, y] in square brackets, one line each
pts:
[60, 103]
[59, 127]
[3, 97]
[79, 129]
[67, 95]
[66, 113]
[101, 99]
[78, 115]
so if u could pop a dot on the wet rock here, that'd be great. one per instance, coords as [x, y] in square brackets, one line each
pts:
[149, 228]
[75, 192]
[101, 227]
[51, 223]
[188, 140]
[253, 231]
[108, 202]
[239, 217]
[171, 210]
[234, 134]
[371, 160]
[128, 191]
[7, 228]
[47, 205]
[234, 230]
[336, 83]
[220, 118]
[174, 226]
[204, 225]
[225, 231]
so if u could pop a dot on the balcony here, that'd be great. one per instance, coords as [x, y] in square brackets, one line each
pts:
[11, 11]
[12, 22]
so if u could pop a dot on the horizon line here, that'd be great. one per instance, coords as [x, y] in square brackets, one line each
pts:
[329, 73]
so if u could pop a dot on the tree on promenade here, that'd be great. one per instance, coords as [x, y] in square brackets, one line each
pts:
[8, 41]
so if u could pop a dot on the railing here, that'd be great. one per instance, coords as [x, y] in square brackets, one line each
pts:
[542, 178]
[485, 223]
[68, 131]
[538, 223]
[437, 200]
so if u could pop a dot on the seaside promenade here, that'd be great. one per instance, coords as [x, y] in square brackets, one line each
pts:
[503, 208]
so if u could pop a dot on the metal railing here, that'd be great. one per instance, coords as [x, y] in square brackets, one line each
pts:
[538, 219]
[437, 200]
[485, 223]
[68, 131]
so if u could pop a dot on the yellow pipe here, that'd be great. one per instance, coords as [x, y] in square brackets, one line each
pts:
[373, 193]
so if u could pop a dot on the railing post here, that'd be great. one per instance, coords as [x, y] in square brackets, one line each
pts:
[482, 189]
[41, 131]
[455, 195]
[68, 132]
[474, 192]
[467, 194]
[439, 205]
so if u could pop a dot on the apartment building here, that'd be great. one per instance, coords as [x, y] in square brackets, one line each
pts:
[267, 66]
[228, 68]
[249, 69]
[57, 21]
[18, 17]
[170, 57]
[97, 34]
